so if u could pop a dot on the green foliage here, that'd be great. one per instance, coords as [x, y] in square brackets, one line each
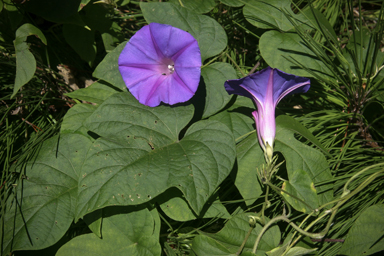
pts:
[365, 237]
[210, 35]
[228, 240]
[25, 61]
[87, 169]
[214, 77]
[136, 233]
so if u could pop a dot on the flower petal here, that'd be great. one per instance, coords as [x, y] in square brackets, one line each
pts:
[267, 87]
[171, 40]
[284, 84]
[139, 50]
[253, 86]
[161, 63]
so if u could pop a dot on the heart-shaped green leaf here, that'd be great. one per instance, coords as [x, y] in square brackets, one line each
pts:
[140, 155]
[49, 195]
[73, 120]
[214, 77]
[176, 207]
[278, 48]
[108, 69]
[233, 234]
[95, 93]
[134, 233]
[300, 192]
[299, 156]
[208, 32]
[198, 6]
[366, 235]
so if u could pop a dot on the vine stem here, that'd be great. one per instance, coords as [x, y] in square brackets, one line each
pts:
[341, 201]
[279, 190]
[245, 240]
[284, 218]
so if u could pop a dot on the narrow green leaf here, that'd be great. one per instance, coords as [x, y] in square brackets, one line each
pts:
[25, 61]
[25, 65]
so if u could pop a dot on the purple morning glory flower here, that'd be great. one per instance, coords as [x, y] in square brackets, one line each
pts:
[267, 87]
[161, 63]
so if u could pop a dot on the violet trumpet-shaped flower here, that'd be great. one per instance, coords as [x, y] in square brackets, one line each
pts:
[161, 63]
[267, 87]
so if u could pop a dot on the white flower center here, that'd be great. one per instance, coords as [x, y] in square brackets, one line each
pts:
[171, 69]
[167, 67]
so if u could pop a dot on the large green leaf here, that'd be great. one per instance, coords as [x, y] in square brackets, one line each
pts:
[288, 122]
[72, 176]
[233, 3]
[232, 236]
[97, 17]
[140, 155]
[300, 186]
[208, 32]
[133, 233]
[25, 61]
[238, 117]
[366, 235]
[53, 10]
[74, 118]
[49, 195]
[108, 69]
[299, 156]
[82, 40]
[198, 6]
[95, 93]
[204, 245]
[268, 14]
[121, 116]
[278, 48]
[214, 77]
[250, 156]
[176, 207]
